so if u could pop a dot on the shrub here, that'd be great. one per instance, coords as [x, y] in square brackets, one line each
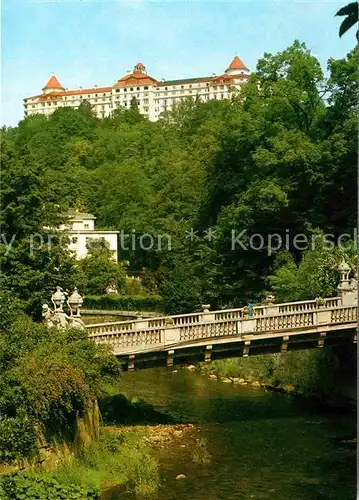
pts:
[34, 487]
[17, 439]
[114, 301]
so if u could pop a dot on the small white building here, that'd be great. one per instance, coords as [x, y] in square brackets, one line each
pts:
[81, 228]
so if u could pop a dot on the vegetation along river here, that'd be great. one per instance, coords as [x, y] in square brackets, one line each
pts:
[247, 443]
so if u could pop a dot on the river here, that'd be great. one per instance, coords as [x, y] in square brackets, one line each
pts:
[257, 444]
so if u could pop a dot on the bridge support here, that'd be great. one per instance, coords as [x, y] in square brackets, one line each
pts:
[208, 353]
[170, 356]
[321, 339]
[247, 343]
[284, 346]
[131, 362]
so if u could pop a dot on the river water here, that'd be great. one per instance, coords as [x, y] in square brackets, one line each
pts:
[256, 444]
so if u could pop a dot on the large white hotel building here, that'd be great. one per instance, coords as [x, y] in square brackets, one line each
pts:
[153, 97]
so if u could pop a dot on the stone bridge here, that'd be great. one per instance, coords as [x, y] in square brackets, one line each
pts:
[209, 335]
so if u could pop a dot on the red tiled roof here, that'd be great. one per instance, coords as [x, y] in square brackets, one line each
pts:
[136, 78]
[86, 91]
[53, 83]
[237, 64]
[58, 95]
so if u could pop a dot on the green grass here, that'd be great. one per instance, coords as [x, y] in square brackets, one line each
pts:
[200, 453]
[115, 460]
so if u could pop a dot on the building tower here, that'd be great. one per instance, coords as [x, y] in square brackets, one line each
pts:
[237, 67]
[53, 85]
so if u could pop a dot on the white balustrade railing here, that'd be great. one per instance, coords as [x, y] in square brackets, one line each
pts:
[344, 314]
[284, 321]
[130, 339]
[161, 331]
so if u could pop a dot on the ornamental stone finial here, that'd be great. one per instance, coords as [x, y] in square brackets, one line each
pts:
[57, 317]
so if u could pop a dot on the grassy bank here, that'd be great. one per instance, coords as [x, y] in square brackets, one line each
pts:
[120, 460]
[317, 374]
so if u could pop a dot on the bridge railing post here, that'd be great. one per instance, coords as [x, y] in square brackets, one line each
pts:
[245, 326]
[323, 316]
[142, 324]
[271, 309]
[170, 334]
[207, 316]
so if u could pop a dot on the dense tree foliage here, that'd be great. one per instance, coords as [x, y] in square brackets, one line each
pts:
[99, 269]
[49, 378]
[278, 158]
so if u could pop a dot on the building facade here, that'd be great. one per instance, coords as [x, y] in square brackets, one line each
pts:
[80, 228]
[153, 97]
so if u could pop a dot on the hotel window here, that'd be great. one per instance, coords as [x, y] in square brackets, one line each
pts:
[182, 86]
[117, 90]
[190, 86]
[86, 226]
[96, 95]
[75, 240]
[125, 90]
[138, 88]
[131, 89]
[146, 88]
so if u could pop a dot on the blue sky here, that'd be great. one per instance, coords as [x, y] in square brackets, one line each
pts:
[95, 42]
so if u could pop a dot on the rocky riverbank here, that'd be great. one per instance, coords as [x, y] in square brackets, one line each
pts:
[316, 375]
[160, 435]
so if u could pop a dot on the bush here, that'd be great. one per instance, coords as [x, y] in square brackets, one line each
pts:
[17, 439]
[114, 301]
[34, 487]
[113, 461]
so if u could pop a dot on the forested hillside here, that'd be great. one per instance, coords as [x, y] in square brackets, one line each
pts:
[278, 158]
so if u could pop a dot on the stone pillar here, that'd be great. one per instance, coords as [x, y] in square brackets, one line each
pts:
[171, 335]
[246, 326]
[207, 316]
[323, 316]
[141, 325]
[271, 308]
